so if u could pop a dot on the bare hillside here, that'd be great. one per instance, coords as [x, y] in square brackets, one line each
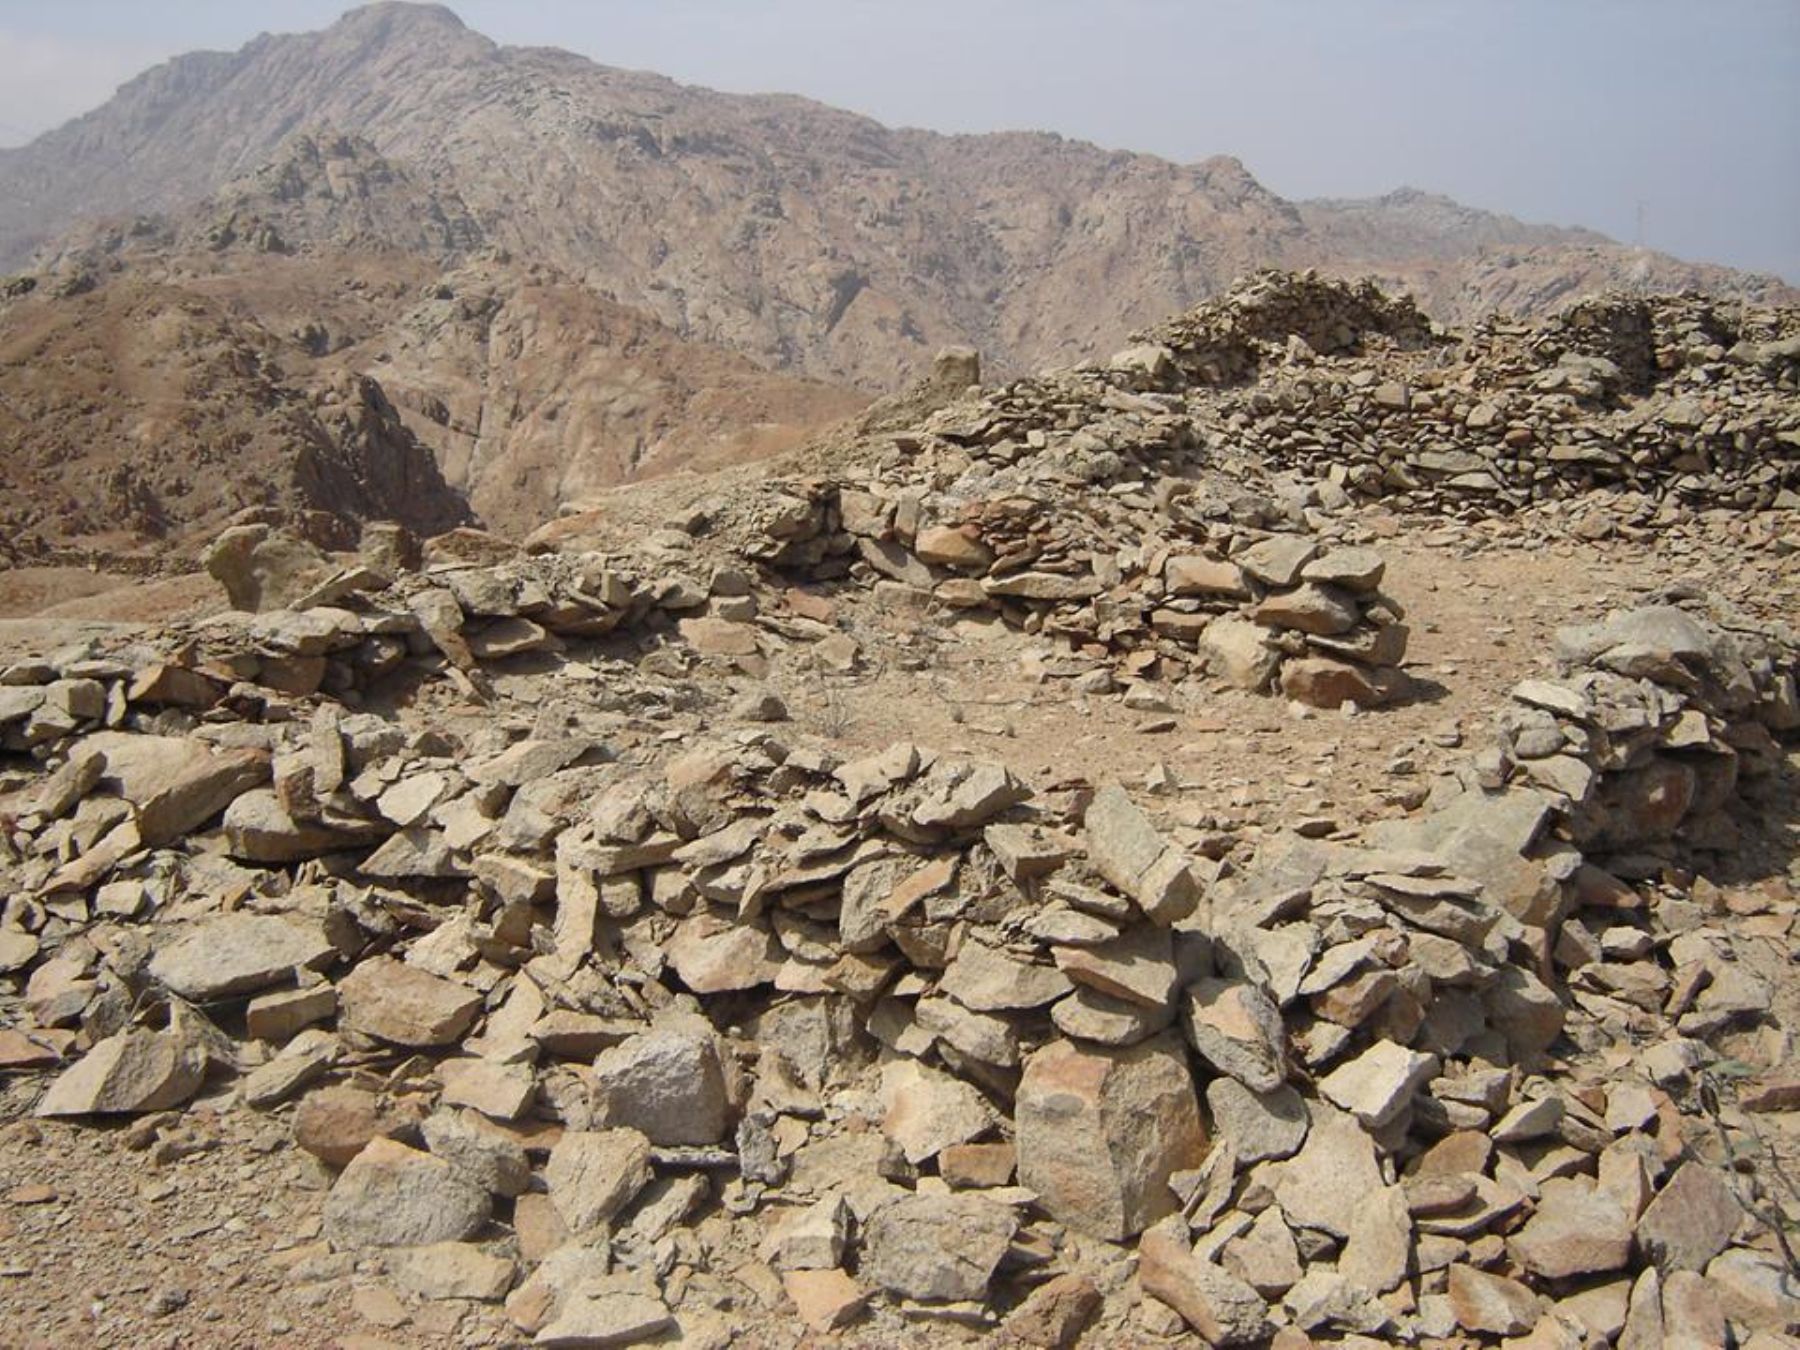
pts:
[806, 237]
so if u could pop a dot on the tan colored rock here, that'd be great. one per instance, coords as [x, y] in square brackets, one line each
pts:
[812, 1237]
[1054, 1315]
[714, 955]
[239, 954]
[978, 1166]
[593, 1174]
[1691, 1219]
[1219, 1306]
[937, 1248]
[1195, 575]
[1691, 1313]
[1576, 1230]
[826, 1300]
[1279, 559]
[1237, 1029]
[134, 1071]
[926, 1111]
[953, 546]
[459, 1270]
[1491, 1303]
[175, 785]
[336, 1123]
[615, 1310]
[1099, 1132]
[1377, 1253]
[395, 1002]
[1322, 682]
[1238, 652]
[394, 1196]
[1323, 1184]
[667, 1082]
[280, 1015]
[1138, 966]
[1125, 848]
[990, 979]
[1265, 1257]
[1310, 609]
[1380, 1083]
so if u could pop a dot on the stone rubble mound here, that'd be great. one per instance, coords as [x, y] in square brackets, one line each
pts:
[599, 1037]
[1684, 401]
[1662, 413]
[607, 1001]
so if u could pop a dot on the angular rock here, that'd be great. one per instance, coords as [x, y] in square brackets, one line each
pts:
[610, 1311]
[488, 1155]
[668, 1082]
[1054, 1315]
[1378, 1250]
[1310, 609]
[239, 954]
[135, 1071]
[1099, 1133]
[937, 1248]
[1125, 848]
[1138, 966]
[1691, 1219]
[713, 955]
[1576, 1230]
[593, 1174]
[1089, 1015]
[989, 979]
[810, 1238]
[336, 1123]
[1279, 559]
[394, 1196]
[1491, 1303]
[1238, 652]
[1323, 1185]
[175, 785]
[1220, 1307]
[452, 1270]
[826, 1300]
[927, 1111]
[395, 1002]
[1237, 1029]
[1322, 682]
[1257, 1125]
[1380, 1083]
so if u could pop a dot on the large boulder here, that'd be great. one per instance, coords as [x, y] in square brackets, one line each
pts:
[1100, 1132]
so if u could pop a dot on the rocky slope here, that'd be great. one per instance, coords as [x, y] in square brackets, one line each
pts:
[155, 351]
[482, 946]
[802, 236]
[143, 410]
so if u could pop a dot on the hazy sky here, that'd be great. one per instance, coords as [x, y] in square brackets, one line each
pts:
[1566, 111]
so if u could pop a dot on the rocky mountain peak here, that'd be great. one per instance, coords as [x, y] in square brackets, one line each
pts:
[394, 16]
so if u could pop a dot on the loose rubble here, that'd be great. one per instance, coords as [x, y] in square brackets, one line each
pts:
[698, 1034]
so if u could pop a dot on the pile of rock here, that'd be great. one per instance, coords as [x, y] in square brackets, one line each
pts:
[1646, 740]
[1269, 317]
[897, 1035]
[1674, 398]
[1260, 610]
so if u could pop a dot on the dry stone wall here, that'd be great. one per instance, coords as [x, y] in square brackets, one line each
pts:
[925, 1038]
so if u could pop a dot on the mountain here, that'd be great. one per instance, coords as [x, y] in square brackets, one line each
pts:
[802, 236]
[201, 362]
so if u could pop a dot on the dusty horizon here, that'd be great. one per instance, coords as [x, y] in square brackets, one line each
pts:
[1317, 101]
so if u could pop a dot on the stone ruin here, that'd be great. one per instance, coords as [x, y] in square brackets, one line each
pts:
[600, 1037]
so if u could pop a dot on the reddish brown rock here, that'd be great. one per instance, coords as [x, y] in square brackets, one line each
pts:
[1099, 1132]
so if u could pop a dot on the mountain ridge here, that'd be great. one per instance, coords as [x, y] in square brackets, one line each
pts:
[807, 237]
